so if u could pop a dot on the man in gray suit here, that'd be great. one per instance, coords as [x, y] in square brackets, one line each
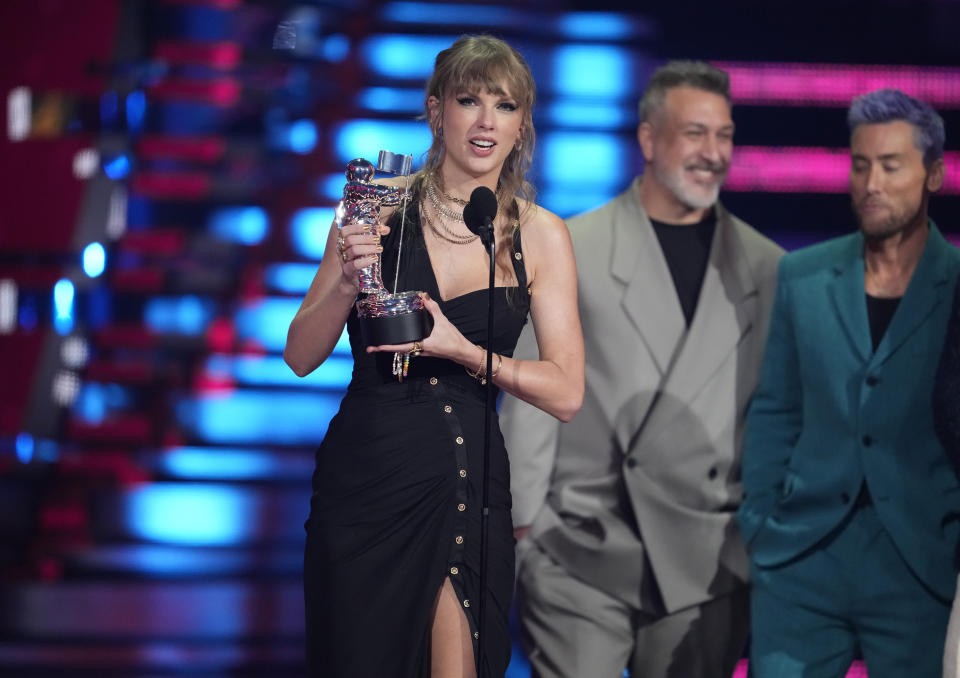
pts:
[629, 551]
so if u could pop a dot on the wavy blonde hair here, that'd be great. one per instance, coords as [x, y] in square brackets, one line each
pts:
[482, 61]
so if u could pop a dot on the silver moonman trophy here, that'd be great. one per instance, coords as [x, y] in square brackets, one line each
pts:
[385, 317]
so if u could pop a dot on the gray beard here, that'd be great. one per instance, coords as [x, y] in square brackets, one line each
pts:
[676, 185]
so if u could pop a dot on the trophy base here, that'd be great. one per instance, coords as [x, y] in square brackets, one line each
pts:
[395, 329]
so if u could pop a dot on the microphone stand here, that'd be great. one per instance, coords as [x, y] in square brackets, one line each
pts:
[486, 236]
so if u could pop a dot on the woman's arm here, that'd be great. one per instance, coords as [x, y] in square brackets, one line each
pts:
[554, 383]
[319, 321]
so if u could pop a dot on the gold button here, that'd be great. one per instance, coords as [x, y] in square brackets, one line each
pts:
[447, 409]
[517, 256]
[476, 634]
[461, 507]
[466, 603]
[463, 474]
[433, 381]
[459, 440]
[459, 539]
[454, 570]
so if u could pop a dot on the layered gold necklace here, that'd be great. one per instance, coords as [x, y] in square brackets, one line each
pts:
[445, 232]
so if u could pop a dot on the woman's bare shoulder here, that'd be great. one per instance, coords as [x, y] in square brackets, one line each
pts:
[538, 223]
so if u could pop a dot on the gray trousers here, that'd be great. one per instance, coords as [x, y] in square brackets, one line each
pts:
[573, 630]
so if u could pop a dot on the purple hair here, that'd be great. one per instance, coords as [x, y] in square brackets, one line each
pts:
[888, 105]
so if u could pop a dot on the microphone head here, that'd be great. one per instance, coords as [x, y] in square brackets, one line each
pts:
[482, 207]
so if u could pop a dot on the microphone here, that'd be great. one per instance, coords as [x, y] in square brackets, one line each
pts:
[479, 213]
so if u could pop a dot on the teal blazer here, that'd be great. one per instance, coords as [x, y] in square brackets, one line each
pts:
[830, 412]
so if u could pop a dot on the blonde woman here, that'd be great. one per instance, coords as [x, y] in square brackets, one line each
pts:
[391, 572]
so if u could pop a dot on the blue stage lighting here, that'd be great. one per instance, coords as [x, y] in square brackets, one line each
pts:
[366, 138]
[259, 417]
[244, 225]
[302, 136]
[590, 114]
[271, 370]
[448, 13]
[589, 158]
[24, 445]
[404, 56]
[91, 403]
[136, 110]
[567, 201]
[94, 259]
[335, 48]
[109, 108]
[63, 294]
[593, 71]
[266, 321]
[47, 450]
[309, 228]
[194, 513]
[290, 278]
[27, 315]
[596, 26]
[117, 167]
[331, 186]
[224, 463]
[391, 99]
[196, 463]
[187, 315]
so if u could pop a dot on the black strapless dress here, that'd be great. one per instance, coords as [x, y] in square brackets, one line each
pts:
[396, 495]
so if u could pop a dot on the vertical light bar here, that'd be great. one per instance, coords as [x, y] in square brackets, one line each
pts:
[8, 306]
[63, 294]
[117, 212]
[19, 101]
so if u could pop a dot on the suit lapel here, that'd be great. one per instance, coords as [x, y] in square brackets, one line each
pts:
[649, 299]
[927, 289]
[847, 293]
[726, 310]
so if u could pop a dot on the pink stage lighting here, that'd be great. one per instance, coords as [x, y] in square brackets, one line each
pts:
[807, 170]
[837, 84]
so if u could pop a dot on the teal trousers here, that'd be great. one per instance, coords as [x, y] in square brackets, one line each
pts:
[851, 594]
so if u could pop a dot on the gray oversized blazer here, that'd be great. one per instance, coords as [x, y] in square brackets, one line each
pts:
[652, 459]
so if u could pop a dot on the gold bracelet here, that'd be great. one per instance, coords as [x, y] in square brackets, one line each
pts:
[499, 365]
[478, 373]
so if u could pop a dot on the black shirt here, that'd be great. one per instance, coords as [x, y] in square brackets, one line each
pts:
[686, 248]
[880, 311]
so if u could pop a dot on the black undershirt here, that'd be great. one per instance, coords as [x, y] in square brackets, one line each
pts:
[686, 247]
[880, 311]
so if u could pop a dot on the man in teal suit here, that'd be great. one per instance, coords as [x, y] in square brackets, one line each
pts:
[852, 510]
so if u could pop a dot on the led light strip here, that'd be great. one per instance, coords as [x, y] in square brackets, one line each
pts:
[807, 170]
[799, 84]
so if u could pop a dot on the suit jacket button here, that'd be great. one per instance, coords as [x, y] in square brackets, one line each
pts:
[631, 462]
